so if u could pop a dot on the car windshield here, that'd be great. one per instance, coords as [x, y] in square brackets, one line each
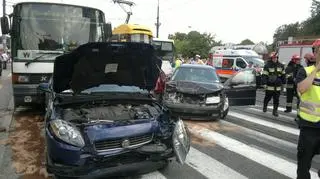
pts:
[53, 26]
[164, 49]
[256, 61]
[196, 74]
[111, 88]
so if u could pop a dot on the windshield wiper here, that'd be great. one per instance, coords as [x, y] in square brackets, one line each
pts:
[42, 54]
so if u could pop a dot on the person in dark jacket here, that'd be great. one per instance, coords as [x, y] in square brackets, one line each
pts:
[273, 78]
[291, 87]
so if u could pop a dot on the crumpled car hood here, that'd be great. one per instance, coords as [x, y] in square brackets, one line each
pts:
[194, 87]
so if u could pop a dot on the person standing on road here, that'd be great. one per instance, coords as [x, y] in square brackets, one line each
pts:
[198, 60]
[273, 78]
[291, 87]
[178, 62]
[308, 87]
[5, 59]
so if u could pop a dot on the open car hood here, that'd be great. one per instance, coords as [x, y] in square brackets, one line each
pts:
[93, 64]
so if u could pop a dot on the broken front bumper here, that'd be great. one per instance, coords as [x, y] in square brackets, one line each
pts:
[190, 110]
[96, 170]
[68, 161]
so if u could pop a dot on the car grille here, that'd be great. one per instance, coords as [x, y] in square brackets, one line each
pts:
[112, 144]
[192, 99]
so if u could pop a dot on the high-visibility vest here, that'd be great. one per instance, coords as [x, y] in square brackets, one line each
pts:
[309, 108]
[177, 63]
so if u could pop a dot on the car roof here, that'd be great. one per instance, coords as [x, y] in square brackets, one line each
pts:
[195, 66]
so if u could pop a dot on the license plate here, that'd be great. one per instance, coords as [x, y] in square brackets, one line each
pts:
[27, 99]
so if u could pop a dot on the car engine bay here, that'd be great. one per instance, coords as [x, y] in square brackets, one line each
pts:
[110, 113]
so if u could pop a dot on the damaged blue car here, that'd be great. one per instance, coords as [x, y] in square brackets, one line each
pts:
[101, 119]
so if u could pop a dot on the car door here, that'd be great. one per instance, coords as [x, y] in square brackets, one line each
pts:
[241, 88]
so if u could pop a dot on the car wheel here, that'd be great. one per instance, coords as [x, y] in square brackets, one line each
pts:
[224, 114]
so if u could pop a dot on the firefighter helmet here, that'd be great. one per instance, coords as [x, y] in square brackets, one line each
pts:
[295, 57]
[316, 43]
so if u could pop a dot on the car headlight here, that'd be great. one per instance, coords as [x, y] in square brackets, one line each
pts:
[67, 133]
[181, 141]
[213, 100]
[23, 79]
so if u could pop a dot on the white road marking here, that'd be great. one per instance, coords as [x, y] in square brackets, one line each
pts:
[153, 175]
[255, 134]
[283, 109]
[280, 115]
[210, 167]
[273, 162]
[279, 108]
[265, 123]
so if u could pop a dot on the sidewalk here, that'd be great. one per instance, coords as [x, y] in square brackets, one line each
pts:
[6, 115]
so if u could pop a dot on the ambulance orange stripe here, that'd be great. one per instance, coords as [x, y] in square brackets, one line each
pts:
[225, 72]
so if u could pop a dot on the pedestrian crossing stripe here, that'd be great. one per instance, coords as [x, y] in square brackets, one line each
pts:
[265, 123]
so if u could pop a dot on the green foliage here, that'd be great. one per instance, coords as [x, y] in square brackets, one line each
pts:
[188, 45]
[310, 27]
[246, 42]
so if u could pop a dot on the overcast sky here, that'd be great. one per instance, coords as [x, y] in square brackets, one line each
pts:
[229, 20]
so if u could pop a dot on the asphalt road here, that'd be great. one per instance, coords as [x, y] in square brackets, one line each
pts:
[247, 144]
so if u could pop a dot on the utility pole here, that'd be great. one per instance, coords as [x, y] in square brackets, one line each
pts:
[4, 39]
[158, 23]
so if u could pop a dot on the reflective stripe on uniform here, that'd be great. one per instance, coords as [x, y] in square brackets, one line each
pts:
[265, 72]
[305, 110]
[273, 88]
[289, 75]
[309, 108]
[289, 104]
[271, 70]
[289, 86]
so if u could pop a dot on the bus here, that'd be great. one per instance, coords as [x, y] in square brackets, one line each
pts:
[132, 33]
[164, 48]
[41, 31]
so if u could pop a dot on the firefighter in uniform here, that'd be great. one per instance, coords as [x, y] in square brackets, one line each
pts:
[308, 87]
[291, 73]
[273, 78]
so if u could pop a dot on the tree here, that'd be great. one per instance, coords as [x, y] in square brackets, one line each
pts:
[309, 27]
[285, 31]
[193, 43]
[246, 42]
[315, 8]
[178, 36]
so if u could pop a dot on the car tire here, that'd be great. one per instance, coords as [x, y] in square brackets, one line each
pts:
[224, 113]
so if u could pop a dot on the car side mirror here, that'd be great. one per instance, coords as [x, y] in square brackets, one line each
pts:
[44, 87]
[108, 31]
[5, 29]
